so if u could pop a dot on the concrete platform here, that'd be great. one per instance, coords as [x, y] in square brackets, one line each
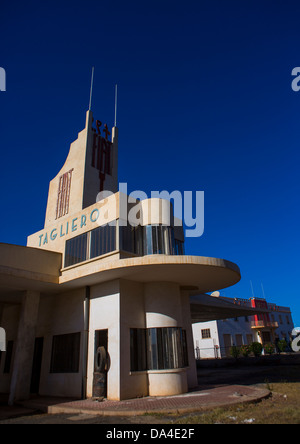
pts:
[191, 402]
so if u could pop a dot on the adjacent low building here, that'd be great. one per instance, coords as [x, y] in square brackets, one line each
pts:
[214, 339]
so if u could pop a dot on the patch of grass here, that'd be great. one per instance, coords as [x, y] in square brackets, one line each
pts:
[283, 407]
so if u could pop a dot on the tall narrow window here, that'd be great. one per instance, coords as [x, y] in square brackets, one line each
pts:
[103, 240]
[63, 194]
[127, 241]
[179, 247]
[76, 250]
[148, 244]
[138, 358]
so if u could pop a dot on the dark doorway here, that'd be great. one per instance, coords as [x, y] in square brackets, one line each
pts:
[36, 366]
[266, 337]
[100, 364]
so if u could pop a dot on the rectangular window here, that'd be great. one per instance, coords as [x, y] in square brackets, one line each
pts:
[158, 349]
[127, 238]
[138, 359]
[152, 350]
[90, 245]
[249, 339]
[155, 245]
[63, 194]
[131, 239]
[76, 250]
[179, 247]
[227, 344]
[150, 239]
[162, 240]
[171, 241]
[147, 238]
[138, 241]
[238, 340]
[103, 240]
[65, 353]
[206, 333]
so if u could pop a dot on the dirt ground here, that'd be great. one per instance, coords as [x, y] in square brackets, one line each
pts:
[282, 407]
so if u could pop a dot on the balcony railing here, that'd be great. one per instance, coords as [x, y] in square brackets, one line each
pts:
[264, 324]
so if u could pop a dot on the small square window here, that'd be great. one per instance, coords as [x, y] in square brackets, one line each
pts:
[206, 333]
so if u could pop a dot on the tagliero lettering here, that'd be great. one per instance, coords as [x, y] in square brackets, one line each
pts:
[69, 227]
[2, 340]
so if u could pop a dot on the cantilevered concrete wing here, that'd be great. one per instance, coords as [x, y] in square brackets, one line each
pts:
[27, 269]
[209, 308]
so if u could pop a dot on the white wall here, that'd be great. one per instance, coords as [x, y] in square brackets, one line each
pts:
[10, 323]
[133, 384]
[206, 346]
[105, 314]
[285, 324]
[192, 377]
[61, 314]
[234, 328]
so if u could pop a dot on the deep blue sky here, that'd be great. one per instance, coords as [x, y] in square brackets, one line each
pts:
[205, 103]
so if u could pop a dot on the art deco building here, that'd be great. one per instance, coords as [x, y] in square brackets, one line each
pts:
[94, 306]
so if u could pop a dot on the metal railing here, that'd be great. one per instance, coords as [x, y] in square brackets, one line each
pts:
[269, 305]
[225, 352]
[215, 352]
[264, 324]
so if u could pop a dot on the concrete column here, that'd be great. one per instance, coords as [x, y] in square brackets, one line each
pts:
[2, 331]
[163, 309]
[162, 305]
[192, 377]
[22, 366]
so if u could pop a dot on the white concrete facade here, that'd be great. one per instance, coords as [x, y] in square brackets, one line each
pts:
[117, 306]
[215, 338]
[92, 307]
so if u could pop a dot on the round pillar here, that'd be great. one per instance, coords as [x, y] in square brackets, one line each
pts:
[163, 310]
